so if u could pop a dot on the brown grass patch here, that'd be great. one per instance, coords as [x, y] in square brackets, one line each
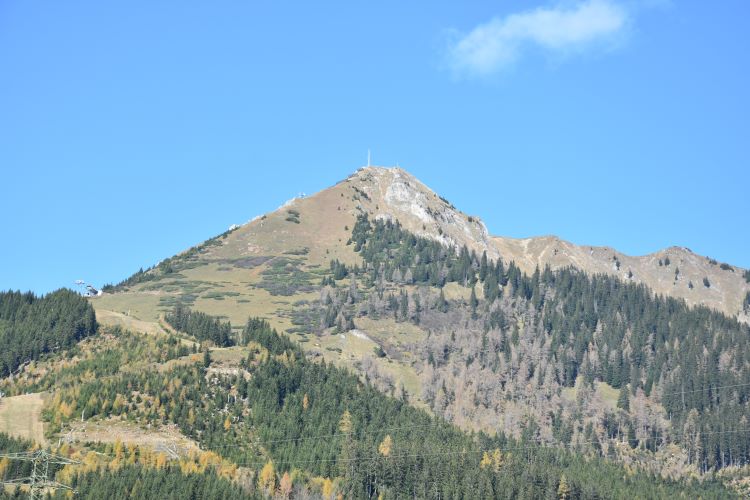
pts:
[21, 416]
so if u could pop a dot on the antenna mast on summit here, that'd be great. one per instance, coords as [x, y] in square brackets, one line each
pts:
[368, 158]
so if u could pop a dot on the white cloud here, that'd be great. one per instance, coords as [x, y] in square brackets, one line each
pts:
[495, 45]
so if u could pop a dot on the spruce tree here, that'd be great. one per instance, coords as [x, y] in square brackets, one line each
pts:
[483, 267]
[404, 306]
[442, 304]
[624, 400]
[473, 301]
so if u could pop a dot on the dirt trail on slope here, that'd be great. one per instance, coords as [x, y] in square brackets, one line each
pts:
[128, 322]
[112, 318]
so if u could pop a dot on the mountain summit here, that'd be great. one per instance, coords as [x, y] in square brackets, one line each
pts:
[323, 221]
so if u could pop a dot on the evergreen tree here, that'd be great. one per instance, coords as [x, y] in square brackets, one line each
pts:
[404, 309]
[623, 401]
[442, 304]
[473, 301]
[483, 267]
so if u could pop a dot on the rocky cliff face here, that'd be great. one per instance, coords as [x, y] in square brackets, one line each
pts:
[395, 194]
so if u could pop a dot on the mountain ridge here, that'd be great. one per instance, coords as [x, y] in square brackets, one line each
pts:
[394, 194]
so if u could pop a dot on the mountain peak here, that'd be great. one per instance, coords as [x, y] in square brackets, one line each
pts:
[395, 194]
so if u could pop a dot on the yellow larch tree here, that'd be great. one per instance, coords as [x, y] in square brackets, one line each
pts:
[494, 460]
[267, 479]
[160, 460]
[497, 459]
[563, 489]
[327, 489]
[228, 470]
[188, 466]
[345, 424]
[90, 462]
[65, 410]
[385, 447]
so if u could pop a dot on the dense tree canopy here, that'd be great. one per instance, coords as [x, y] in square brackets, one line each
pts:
[200, 325]
[144, 484]
[31, 326]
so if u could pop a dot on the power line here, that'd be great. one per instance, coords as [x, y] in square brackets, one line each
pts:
[470, 452]
[653, 437]
[439, 423]
[39, 479]
[340, 434]
[540, 442]
[706, 389]
[436, 423]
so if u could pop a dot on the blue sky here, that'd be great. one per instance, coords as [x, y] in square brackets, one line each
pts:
[132, 130]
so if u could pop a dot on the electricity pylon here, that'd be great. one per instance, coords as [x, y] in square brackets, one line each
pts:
[39, 479]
